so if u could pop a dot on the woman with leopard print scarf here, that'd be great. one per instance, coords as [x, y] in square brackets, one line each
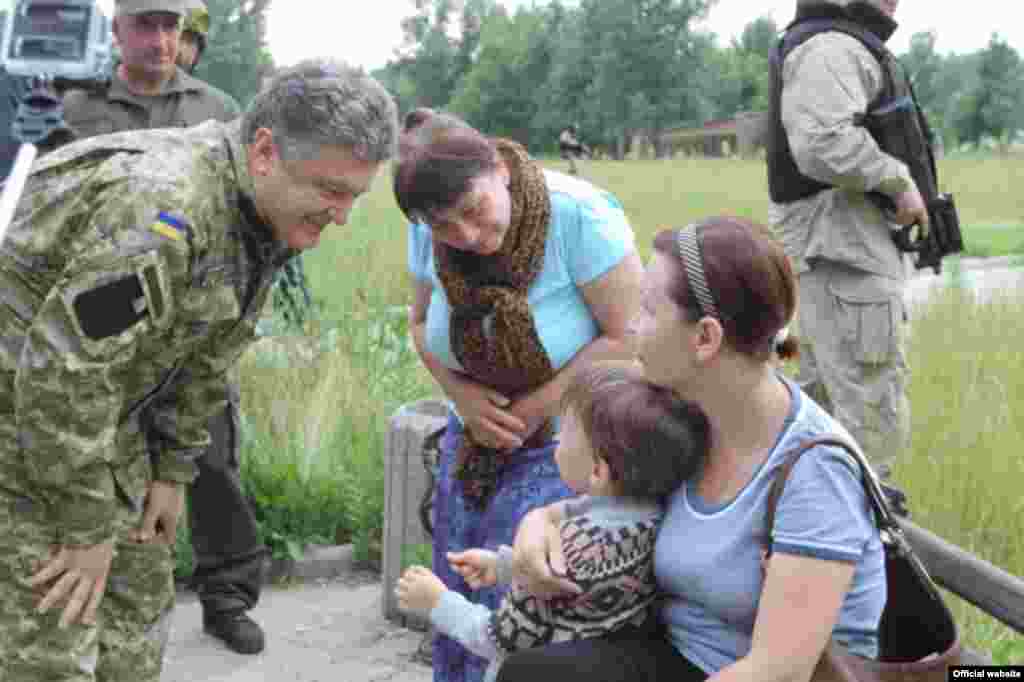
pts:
[521, 276]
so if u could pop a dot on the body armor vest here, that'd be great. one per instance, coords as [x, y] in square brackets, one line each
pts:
[785, 181]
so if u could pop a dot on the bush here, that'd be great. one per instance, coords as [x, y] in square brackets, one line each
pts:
[316, 408]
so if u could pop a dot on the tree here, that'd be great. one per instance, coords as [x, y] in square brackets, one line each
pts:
[740, 80]
[1000, 94]
[237, 57]
[758, 37]
[439, 47]
[562, 98]
[923, 67]
[644, 66]
[499, 93]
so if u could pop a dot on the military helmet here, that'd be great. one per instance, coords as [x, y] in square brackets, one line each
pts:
[197, 20]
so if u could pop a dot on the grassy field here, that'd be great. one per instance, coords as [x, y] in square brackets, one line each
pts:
[366, 259]
[316, 407]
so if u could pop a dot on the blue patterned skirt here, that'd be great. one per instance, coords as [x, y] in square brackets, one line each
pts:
[530, 480]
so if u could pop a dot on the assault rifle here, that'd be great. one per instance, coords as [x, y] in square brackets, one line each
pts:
[899, 127]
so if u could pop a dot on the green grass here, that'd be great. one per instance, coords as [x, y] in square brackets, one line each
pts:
[316, 405]
[964, 473]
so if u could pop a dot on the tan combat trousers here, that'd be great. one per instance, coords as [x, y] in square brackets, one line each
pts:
[852, 360]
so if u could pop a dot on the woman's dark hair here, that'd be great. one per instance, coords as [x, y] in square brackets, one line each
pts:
[438, 156]
[651, 439]
[750, 278]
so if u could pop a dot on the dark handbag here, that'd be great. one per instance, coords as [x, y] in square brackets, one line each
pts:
[917, 636]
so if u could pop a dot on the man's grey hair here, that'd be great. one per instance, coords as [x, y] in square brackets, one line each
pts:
[325, 102]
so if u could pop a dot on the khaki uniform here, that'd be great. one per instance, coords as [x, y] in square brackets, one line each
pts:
[851, 276]
[185, 101]
[131, 281]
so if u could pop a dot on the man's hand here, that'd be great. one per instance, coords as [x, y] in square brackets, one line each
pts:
[910, 210]
[164, 503]
[80, 577]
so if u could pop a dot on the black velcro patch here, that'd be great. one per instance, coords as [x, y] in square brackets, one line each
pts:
[110, 309]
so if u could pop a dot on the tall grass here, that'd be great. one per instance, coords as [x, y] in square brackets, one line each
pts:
[965, 470]
[316, 405]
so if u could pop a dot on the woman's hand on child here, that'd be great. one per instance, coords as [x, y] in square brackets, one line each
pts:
[537, 559]
[478, 567]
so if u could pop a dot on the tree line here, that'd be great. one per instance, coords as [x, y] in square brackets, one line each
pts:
[613, 67]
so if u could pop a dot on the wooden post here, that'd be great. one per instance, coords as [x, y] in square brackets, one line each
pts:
[405, 482]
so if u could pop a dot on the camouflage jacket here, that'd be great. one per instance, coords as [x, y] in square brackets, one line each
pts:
[131, 280]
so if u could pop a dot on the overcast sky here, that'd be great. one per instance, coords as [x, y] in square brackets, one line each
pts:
[367, 32]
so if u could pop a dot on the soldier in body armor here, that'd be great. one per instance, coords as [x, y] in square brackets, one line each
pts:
[837, 199]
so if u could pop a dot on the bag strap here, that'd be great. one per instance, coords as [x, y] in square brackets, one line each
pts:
[884, 517]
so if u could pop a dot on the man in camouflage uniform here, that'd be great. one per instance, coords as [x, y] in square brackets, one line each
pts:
[149, 91]
[851, 275]
[131, 280]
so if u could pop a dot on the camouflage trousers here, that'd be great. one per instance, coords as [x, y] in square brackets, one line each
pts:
[126, 643]
[852, 361]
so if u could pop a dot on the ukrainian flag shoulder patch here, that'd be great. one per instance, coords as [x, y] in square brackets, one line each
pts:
[172, 227]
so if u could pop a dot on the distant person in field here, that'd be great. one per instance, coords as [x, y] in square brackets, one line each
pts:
[571, 149]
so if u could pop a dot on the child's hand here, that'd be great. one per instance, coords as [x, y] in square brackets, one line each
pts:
[419, 591]
[476, 566]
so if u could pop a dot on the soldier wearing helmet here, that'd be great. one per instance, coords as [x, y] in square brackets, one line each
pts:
[194, 31]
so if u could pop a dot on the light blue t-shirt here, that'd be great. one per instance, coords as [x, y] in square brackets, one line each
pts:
[708, 557]
[588, 235]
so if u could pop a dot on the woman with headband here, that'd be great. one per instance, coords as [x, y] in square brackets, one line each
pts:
[717, 301]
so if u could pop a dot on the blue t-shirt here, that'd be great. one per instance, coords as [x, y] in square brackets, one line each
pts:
[708, 557]
[588, 235]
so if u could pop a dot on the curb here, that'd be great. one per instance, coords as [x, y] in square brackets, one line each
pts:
[318, 562]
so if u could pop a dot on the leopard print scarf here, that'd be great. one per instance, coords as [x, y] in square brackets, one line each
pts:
[492, 329]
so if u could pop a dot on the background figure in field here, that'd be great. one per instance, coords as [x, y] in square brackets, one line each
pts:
[570, 148]
[823, 167]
